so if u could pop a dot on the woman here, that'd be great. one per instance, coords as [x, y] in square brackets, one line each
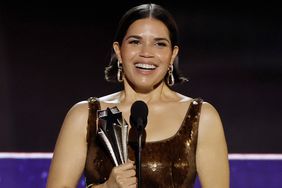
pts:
[184, 136]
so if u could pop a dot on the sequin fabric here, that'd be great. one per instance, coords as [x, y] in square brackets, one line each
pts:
[169, 163]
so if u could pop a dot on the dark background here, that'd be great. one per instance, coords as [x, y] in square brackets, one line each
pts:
[53, 56]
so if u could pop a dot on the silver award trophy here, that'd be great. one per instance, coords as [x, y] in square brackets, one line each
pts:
[113, 133]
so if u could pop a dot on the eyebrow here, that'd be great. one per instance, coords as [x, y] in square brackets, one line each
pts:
[133, 36]
[156, 39]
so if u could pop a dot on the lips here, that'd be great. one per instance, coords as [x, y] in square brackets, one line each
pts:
[144, 66]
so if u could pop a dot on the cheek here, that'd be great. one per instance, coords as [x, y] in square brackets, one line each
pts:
[165, 57]
[128, 53]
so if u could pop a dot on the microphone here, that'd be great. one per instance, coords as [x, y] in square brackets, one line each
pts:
[138, 121]
[138, 116]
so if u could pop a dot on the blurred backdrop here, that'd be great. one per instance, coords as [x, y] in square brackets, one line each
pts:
[53, 56]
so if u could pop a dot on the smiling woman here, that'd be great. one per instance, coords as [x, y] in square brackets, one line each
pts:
[145, 54]
[183, 137]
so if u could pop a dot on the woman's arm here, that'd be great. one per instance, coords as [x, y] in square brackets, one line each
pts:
[70, 155]
[212, 155]
[70, 150]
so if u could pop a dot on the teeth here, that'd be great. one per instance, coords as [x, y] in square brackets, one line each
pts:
[145, 66]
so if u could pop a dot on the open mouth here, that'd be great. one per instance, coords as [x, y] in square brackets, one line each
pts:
[145, 66]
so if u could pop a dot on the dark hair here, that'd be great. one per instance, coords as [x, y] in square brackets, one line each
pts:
[140, 12]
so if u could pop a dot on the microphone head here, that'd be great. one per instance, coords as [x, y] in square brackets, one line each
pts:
[138, 116]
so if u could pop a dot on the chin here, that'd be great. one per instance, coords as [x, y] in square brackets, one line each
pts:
[146, 87]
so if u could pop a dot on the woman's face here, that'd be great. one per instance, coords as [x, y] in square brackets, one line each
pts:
[145, 53]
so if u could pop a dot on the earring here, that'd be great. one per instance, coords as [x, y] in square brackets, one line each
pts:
[119, 72]
[170, 77]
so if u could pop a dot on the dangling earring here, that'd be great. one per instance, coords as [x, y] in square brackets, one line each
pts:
[170, 77]
[119, 72]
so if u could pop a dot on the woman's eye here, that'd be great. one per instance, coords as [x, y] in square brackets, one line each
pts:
[134, 42]
[161, 44]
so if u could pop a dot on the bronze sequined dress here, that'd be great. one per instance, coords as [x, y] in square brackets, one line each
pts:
[170, 163]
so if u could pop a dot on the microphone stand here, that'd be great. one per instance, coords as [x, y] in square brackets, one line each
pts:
[138, 173]
[138, 119]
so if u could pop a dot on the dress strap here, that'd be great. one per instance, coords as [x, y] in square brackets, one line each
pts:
[93, 107]
[195, 109]
[194, 117]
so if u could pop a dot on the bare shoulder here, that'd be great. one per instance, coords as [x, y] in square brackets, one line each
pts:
[208, 111]
[183, 98]
[210, 124]
[78, 109]
[77, 115]
[111, 98]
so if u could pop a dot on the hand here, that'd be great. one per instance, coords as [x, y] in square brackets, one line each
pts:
[123, 176]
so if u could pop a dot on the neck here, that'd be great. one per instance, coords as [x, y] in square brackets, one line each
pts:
[130, 95]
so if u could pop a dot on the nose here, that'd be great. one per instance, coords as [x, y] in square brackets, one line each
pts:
[146, 51]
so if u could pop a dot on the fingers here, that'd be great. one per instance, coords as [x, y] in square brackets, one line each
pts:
[123, 176]
[126, 166]
[132, 181]
[126, 170]
[126, 182]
